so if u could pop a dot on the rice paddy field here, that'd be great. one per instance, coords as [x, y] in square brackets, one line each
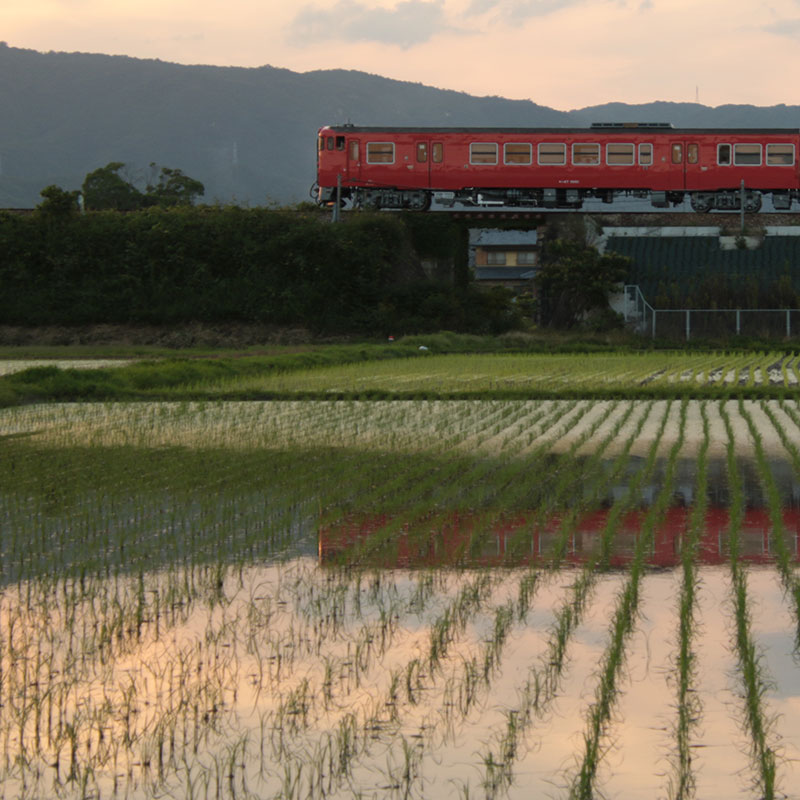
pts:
[208, 595]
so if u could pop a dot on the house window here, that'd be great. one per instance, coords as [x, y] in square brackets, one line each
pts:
[645, 154]
[552, 153]
[526, 258]
[380, 153]
[496, 258]
[780, 155]
[622, 154]
[584, 154]
[518, 154]
[747, 155]
[482, 153]
[723, 154]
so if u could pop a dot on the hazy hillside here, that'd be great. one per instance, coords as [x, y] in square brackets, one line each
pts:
[248, 134]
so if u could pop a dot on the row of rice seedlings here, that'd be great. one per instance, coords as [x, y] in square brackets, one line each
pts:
[544, 677]
[622, 625]
[683, 780]
[778, 535]
[754, 683]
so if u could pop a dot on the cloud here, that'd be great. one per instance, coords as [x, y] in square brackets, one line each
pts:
[785, 27]
[409, 23]
[516, 10]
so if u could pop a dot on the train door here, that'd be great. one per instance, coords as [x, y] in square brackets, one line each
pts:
[698, 174]
[676, 181]
[422, 165]
[429, 161]
[354, 156]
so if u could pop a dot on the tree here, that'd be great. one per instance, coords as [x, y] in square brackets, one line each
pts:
[106, 189]
[574, 280]
[174, 188]
[58, 203]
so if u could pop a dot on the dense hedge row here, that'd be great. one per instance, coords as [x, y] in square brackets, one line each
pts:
[222, 264]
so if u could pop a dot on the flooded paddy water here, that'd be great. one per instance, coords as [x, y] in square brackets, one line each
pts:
[447, 599]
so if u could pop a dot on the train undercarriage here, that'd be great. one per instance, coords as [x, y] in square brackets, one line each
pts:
[558, 198]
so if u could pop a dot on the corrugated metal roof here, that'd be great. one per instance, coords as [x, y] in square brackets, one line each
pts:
[493, 237]
[676, 259]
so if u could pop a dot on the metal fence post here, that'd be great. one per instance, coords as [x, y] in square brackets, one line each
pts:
[738, 321]
[688, 325]
[788, 323]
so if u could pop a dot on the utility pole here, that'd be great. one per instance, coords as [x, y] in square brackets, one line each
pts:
[337, 206]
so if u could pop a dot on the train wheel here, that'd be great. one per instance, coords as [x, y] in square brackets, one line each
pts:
[752, 202]
[701, 202]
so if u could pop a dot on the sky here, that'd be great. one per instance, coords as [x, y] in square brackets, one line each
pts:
[564, 54]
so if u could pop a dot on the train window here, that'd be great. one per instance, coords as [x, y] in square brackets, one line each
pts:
[586, 154]
[380, 153]
[692, 153]
[723, 154]
[677, 153]
[517, 154]
[354, 150]
[422, 152]
[482, 153]
[620, 154]
[321, 143]
[552, 153]
[330, 143]
[340, 142]
[747, 155]
[645, 154]
[780, 155]
[437, 152]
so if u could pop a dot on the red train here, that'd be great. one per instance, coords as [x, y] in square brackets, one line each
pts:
[557, 167]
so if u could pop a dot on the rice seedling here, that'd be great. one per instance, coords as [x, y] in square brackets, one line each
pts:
[754, 683]
[683, 781]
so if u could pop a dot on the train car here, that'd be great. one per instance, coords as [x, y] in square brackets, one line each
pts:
[408, 168]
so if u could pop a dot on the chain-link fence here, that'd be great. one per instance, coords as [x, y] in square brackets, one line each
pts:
[690, 323]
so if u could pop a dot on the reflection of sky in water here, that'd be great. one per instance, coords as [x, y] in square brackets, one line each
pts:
[242, 659]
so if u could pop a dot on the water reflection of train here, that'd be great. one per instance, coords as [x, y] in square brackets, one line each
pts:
[477, 540]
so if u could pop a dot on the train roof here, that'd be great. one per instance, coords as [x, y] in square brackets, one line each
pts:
[637, 128]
